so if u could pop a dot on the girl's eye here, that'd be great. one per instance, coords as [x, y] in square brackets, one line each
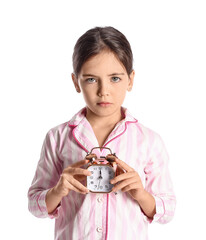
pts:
[90, 80]
[115, 79]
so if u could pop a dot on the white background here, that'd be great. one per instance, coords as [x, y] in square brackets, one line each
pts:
[168, 39]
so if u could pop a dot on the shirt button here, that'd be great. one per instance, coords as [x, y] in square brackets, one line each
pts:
[100, 200]
[99, 229]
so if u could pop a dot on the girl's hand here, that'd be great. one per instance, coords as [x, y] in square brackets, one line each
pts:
[70, 179]
[128, 180]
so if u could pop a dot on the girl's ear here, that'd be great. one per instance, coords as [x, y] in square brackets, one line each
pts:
[75, 81]
[131, 81]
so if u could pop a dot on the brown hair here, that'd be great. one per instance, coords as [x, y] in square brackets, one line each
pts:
[97, 39]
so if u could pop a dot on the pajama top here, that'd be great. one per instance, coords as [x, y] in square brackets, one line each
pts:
[103, 216]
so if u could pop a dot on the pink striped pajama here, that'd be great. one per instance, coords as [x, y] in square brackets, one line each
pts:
[103, 216]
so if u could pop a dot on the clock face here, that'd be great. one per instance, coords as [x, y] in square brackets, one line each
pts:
[99, 181]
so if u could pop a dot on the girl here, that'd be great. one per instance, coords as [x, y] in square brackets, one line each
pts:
[103, 73]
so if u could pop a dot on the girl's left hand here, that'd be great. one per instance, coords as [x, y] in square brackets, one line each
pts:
[128, 181]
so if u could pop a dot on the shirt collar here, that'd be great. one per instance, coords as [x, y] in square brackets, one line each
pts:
[83, 132]
[78, 117]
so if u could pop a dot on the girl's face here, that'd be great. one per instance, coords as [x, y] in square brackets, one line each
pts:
[103, 80]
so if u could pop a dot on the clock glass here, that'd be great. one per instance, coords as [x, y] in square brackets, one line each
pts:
[99, 181]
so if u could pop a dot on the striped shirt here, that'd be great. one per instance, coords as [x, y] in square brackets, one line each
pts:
[103, 216]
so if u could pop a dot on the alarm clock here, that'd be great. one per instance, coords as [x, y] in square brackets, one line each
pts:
[103, 169]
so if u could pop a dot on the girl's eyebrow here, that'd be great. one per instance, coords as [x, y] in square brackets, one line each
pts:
[88, 75]
[114, 74]
[92, 75]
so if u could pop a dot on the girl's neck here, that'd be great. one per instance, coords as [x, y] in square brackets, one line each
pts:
[104, 121]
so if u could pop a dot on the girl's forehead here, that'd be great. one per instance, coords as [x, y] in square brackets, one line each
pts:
[105, 60]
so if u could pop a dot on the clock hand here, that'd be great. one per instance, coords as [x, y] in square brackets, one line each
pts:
[99, 183]
[100, 177]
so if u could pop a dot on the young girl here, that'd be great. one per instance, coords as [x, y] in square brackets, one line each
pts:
[103, 73]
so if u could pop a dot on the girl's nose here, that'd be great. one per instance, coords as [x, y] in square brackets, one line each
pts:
[103, 89]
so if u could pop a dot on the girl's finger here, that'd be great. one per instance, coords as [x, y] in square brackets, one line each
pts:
[123, 165]
[133, 186]
[79, 164]
[77, 185]
[124, 183]
[122, 177]
[77, 171]
[67, 180]
[79, 177]
[72, 187]
[119, 170]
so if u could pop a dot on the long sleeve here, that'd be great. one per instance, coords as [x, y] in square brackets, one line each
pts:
[46, 176]
[158, 182]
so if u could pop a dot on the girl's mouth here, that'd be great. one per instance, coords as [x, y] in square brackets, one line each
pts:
[104, 104]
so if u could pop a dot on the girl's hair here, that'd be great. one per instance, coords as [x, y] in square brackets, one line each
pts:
[98, 39]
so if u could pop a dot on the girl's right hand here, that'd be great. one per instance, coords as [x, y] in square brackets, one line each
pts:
[70, 179]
